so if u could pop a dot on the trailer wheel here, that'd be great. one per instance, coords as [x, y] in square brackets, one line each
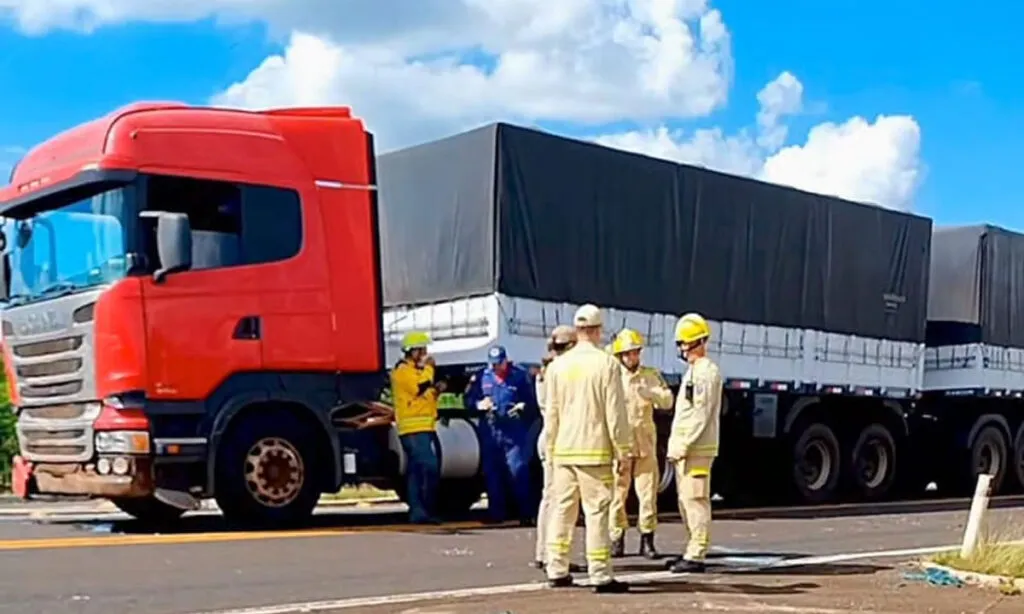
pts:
[1018, 458]
[990, 454]
[816, 463]
[873, 462]
[266, 471]
[148, 510]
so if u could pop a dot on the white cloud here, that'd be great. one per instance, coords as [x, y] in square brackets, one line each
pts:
[421, 69]
[876, 162]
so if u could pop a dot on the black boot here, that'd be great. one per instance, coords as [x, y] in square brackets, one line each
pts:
[619, 546]
[647, 549]
[563, 582]
[687, 566]
[611, 587]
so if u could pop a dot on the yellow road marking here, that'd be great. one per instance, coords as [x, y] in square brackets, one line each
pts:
[225, 536]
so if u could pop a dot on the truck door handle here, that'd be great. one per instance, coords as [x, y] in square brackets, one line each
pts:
[248, 328]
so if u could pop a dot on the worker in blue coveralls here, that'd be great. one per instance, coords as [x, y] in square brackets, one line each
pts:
[505, 394]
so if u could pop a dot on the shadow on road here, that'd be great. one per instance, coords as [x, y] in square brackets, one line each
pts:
[707, 588]
[393, 521]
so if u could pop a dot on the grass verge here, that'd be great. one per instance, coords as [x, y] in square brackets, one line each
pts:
[999, 554]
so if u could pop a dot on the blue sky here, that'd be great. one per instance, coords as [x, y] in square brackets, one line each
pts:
[957, 72]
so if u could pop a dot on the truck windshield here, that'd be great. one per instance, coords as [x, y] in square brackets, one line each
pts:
[76, 245]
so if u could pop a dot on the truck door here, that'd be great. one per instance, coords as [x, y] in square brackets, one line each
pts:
[202, 325]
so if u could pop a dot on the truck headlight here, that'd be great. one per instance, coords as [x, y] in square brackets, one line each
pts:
[122, 442]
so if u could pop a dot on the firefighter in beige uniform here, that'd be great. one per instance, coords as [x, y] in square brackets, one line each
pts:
[562, 339]
[645, 390]
[693, 441]
[587, 431]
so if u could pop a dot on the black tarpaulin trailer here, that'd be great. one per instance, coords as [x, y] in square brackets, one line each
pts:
[509, 210]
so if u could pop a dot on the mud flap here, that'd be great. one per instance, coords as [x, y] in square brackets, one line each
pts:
[21, 477]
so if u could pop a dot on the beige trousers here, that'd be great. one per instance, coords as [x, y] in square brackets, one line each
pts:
[590, 485]
[693, 484]
[545, 512]
[643, 474]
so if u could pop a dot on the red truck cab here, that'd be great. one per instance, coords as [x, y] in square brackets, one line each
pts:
[192, 293]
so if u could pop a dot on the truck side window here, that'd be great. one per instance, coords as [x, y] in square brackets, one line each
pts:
[232, 224]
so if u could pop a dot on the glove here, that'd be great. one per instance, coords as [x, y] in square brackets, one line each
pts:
[485, 404]
[516, 409]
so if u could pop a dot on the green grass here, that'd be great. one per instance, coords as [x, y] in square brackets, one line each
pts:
[8, 437]
[997, 555]
[363, 492]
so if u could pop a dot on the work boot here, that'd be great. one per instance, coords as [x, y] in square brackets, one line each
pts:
[683, 565]
[647, 549]
[619, 546]
[563, 582]
[611, 587]
[577, 568]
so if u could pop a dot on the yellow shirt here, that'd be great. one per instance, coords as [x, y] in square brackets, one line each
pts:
[415, 403]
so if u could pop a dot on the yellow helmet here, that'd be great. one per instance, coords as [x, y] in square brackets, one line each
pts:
[692, 327]
[627, 339]
[415, 339]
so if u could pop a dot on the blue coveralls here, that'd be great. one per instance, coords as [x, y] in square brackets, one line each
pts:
[505, 453]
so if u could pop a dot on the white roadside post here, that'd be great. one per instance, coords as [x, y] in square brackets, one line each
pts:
[976, 517]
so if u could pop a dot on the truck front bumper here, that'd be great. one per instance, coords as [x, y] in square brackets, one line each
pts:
[83, 479]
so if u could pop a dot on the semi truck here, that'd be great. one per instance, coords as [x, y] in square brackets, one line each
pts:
[203, 303]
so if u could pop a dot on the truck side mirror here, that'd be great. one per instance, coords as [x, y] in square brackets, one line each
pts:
[173, 242]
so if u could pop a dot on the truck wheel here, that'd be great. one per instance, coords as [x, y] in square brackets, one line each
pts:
[266, 471]
[873, 462]
[1018, 458]
[148, 510]
[990, 454]
[816, 463]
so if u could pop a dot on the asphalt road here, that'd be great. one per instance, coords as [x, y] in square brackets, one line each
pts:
[68, 564]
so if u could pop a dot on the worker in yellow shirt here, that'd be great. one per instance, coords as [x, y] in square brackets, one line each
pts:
[645, 391]
[587, 431]
[414, 394]
[693, 441]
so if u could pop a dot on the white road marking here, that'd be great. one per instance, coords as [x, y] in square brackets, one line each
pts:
[637, 578]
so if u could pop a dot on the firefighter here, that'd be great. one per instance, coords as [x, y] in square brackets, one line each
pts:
[693, 441]
[562, 339]
[587, 431]
[414, 393]
[645, 391]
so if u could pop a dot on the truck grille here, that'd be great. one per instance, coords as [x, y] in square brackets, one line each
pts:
[57, 433]
[51, 350]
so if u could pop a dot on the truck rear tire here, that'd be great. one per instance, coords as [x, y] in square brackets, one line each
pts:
[1018, 459]
[816, 463]
[266, 472]
[873, 462]
[148, 510]
[989, 453]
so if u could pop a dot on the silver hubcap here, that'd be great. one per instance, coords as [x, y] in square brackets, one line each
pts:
[274, 472]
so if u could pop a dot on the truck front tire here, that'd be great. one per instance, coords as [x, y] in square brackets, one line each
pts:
[267, 470]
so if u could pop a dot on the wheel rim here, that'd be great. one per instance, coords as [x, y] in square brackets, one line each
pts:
[274, 472]
[815, 465]
[873, 463]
